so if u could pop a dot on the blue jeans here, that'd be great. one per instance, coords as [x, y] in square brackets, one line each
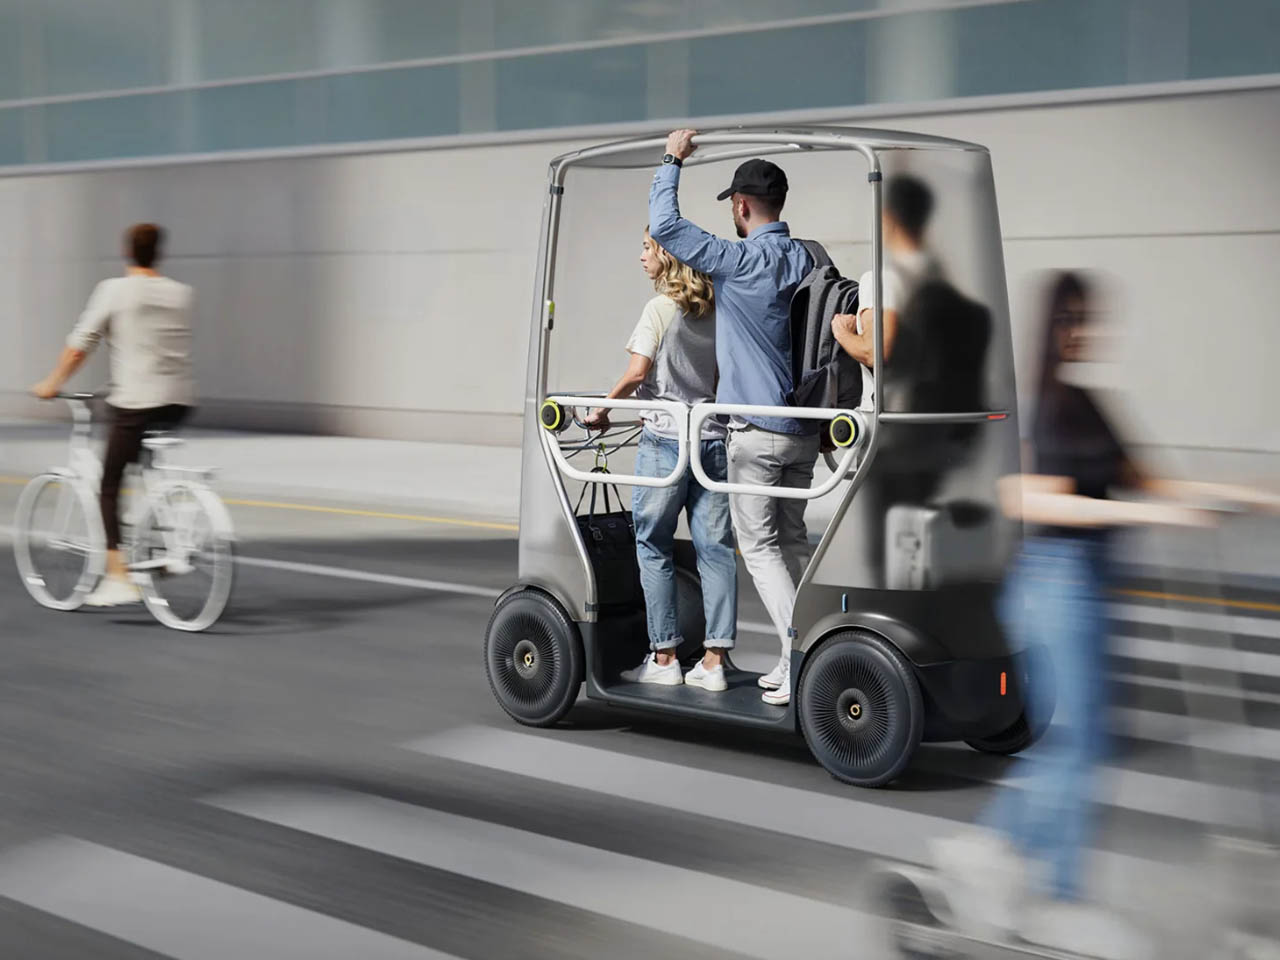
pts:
[656, 511]
[1054, 596]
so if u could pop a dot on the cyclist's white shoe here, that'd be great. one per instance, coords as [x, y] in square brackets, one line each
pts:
[111, 592]
[708, 679]
[668, 674]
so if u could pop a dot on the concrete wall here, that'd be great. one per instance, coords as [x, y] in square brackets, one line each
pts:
[389, 294]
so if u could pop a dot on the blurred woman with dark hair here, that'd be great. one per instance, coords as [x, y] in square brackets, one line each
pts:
[1054, 599]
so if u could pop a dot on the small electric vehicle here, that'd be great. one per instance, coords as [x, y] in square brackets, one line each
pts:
[895, 636]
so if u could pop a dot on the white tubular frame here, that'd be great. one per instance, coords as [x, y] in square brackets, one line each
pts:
[704, 410]
[678, 412]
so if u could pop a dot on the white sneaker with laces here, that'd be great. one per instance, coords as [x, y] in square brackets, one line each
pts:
[112, 592]
[708, 679]
[781, 696]
[650, 671]
[985, 880]
[778, 676]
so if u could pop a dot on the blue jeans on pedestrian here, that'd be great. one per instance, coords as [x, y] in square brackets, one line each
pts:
[656, 512]
[1054, 597]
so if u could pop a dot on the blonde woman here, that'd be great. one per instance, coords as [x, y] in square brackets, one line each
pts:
[673, 357]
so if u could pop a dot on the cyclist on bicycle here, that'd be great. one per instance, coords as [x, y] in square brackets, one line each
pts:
[145, 318]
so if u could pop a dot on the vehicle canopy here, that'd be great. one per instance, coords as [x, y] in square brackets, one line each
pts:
[940, 428]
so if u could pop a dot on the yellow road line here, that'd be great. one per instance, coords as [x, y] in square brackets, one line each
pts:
[1211, 601]
[376, 514]
[512, 528]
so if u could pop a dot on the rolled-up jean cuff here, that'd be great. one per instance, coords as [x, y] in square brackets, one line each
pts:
[717, 644]
[666, 644]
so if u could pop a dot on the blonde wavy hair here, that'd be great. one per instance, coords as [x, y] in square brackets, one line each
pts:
[692, 291]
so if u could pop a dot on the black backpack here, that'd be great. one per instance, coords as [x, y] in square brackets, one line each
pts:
[823, 374]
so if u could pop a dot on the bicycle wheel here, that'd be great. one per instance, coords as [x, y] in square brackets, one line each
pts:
[182, 556]
[59, 544]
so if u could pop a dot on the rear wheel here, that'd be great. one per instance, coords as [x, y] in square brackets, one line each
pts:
[184, 559]
[533, 658]
[1036, 686]
[860, 708]
[59, 545]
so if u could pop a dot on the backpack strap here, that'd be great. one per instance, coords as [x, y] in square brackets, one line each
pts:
[818, 252]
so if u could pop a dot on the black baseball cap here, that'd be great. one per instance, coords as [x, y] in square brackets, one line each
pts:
[757, 178]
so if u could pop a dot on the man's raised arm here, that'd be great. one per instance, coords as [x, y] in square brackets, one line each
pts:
[683, 239]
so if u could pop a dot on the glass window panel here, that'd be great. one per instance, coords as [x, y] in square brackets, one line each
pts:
[420, 102]
[244, 39]
[787, 69]
[1022, 47]
[10, 55]
[105, 45]
[12, 150]
[1234, 37]
[593, 86]
[106, 129]
[252, 116]
[412, 30]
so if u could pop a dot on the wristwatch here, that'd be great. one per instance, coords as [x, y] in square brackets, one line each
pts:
[672, 158]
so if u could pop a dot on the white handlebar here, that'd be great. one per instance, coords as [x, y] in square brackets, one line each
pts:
[678, 412]
[702, 411]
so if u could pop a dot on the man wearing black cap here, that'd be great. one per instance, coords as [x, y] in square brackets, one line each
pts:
[754, 279]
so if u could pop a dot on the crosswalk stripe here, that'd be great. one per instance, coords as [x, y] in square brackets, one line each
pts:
[1262, 743]
[1191, 655]
[1197, 620]
[870, 828]
[180, 914]
[730, 914]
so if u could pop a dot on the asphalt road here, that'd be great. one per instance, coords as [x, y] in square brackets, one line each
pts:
[325, 774]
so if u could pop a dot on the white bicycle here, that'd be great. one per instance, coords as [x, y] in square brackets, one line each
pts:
[177, 536]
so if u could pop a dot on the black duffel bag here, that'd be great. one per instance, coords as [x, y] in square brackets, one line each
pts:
[610, 539]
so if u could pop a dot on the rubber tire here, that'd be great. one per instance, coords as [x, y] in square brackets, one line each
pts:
[868, 752]
[95, 563]
[225, 568]
[544, 697]
[1019, 735]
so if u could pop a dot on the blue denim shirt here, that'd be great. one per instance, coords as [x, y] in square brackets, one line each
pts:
[754, 280]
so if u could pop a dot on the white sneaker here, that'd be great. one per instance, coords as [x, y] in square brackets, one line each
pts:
[984, 878]
[111, 592]
[778, 676]
[650, 671]
[780, 697]
[1083, 928]
[708, 679]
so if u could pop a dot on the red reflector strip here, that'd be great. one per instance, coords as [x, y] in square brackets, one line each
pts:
[1004, 683]
[997, 416]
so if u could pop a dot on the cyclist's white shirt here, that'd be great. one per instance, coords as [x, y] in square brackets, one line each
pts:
[146, 321]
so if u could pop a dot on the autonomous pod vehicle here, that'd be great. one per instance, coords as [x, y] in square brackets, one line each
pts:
[895, 638]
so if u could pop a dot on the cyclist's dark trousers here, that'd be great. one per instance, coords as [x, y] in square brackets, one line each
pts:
[124, 444]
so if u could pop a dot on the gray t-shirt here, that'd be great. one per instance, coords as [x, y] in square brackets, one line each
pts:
[146, 321]
[683, 351]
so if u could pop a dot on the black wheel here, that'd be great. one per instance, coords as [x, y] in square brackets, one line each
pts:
[533, 658]
[1025, 731]
[860, 708]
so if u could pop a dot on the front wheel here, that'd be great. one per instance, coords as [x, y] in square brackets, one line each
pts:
[860, 706]
[183, 557]
[533, 657]
[58, 544]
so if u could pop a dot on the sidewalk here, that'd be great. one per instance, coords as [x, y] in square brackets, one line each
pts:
[483, 483]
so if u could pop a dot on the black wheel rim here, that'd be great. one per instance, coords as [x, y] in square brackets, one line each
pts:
[527, 660]
[852, 707]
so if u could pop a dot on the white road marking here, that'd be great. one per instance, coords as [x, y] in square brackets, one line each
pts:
[180, 914]
[729, 914]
